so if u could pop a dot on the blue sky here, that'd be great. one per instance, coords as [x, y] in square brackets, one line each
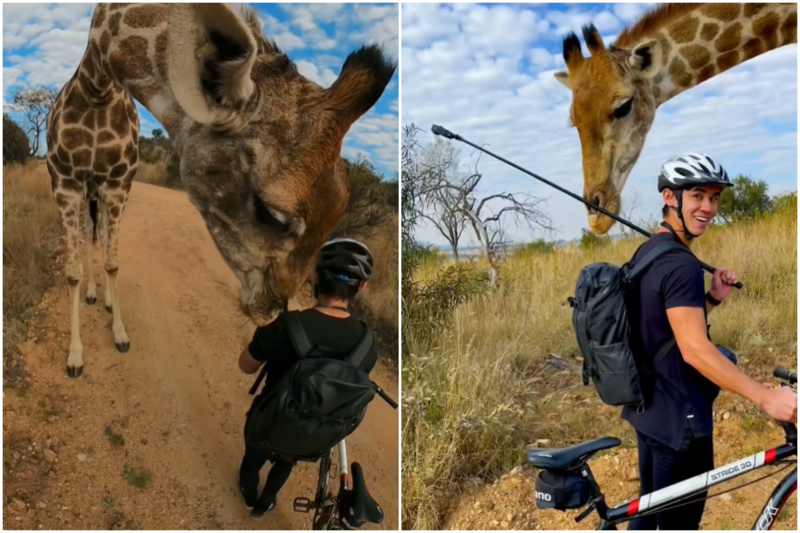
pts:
[485, 71]
[43, 43]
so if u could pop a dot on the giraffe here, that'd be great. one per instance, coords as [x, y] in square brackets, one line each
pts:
[259, 145]
[674, 47]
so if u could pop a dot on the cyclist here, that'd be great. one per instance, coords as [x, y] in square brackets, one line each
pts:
[343, 269]
[675, 431]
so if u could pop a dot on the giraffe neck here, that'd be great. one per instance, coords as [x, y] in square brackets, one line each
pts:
[713, 38]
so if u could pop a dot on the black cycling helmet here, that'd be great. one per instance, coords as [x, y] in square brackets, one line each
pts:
[345, 260]
[687, 171]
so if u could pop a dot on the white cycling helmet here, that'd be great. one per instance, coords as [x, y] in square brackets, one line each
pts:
[691, 170]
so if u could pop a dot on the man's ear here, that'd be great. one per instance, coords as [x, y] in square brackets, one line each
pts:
[362, 286]
[669, 197]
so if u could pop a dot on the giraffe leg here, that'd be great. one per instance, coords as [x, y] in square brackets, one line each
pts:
[88, 232]
[111, 209]
[103, 231]
[70, 205]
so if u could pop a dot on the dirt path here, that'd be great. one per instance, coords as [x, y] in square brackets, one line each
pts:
[152, 438]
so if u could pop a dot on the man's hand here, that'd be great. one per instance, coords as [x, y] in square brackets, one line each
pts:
[781, 404]
[722, 283]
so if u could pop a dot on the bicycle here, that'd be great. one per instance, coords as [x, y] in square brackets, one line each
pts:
[350, 508]
[569, 465]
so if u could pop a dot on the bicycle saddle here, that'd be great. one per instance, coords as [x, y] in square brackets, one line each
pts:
[571, 456]
[356, 506]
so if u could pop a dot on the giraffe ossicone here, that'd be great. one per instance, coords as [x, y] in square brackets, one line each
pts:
[259, 144]
[670, 49]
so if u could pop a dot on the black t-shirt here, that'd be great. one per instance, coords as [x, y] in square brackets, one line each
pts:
[682, 397]
[272, 344]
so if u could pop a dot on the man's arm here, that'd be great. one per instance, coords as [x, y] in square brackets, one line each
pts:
[248, 363]
[688, 325]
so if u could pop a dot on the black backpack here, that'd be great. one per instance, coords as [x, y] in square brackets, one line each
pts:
[317, 403]
[612, 357]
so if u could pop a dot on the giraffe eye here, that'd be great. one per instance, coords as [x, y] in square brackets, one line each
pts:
[623, 110]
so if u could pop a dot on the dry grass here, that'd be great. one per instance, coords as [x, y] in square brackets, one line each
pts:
[379, 304]
[476, 395]
[152, 173]
[31, 230]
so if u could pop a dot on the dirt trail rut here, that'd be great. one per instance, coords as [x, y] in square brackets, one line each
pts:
[168, 414]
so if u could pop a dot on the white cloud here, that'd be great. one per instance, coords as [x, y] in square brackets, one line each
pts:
[324, 77]
[462, 78]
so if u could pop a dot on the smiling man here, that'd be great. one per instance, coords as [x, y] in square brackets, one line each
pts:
[675, 429]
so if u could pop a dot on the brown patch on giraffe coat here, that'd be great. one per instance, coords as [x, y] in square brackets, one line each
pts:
[709, 31]
[63, 155]
[706, 72]
[767, 28]
[117, 7]
[82, 158]
[75, 100]
[729, 39]
[752, 48]
[789, 29]
[61, 168]
[656, 92]
[107, 157]
[102, 118]
[696, 55]
[752, 9]
[114, 210]
[68, 183]
[723, 12]
[113, 23]
[88, 120]
[728, 60]
[684, 32]
[88, 66]
[105, 136]
[161, 55]
[118, 171]
[105, 43]
[130, 59]
[119, 119]
[679, 74]
[74, 138]
[130, 108]
[72, 116]
[99, 16]
[130, 151]
[62, 200]
[144, 17]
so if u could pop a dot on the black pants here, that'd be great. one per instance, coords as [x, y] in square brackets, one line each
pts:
[252, 462]
[661, 466]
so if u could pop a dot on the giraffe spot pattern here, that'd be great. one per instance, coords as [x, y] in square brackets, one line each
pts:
[72, 116]
[88, 66]
[752, 9]
[119, 119]
[728, 60]
[709, 31]
[709, 71]
[766, 27]
[114, 210]
[74, 138]
[59, 166]
[69, 183]
[144, 17]
[63, 155]
[161, 55]
[679, 74]
[117, 172]
[105, 137]
[113, 23]
[753, 47]
[107, 157]
[684, 31]
[100, 17]
[789, 29]
[105, 43]
[102, 118]
[82, 158]
[696, 55]
[89, 120]
[723, 12]
[130, 60]
[730, 38]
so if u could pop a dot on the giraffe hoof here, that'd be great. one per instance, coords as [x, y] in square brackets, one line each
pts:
[108, 308]
[123, 347]
[91, 300]
[74, 371]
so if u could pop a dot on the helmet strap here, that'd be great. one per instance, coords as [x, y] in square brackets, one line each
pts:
[679, 211]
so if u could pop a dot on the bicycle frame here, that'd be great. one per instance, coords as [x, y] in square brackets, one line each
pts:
[325, 504]
[658, 500]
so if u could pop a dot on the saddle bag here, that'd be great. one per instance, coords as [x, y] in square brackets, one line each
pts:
[562, 490]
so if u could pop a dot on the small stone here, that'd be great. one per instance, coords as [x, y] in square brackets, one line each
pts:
[41, 505]
[542, 443]
[81, 457]
[51, 419]
[726, 415]
[494, 523]
[509, 517]
[504, 524]
[31, 512]
[18, 504]
[52, 473]
[727, 497]
[49, 455]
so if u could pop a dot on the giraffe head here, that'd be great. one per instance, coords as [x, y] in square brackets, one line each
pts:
[613, 108]
[260, 145]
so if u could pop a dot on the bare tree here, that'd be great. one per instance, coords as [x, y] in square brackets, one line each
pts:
[34, 104]
[627, 214]
[485, 215]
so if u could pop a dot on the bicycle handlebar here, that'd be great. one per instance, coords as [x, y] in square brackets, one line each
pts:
[782, 373]
[386, 398]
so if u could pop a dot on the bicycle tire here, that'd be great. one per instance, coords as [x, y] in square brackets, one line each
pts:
[322, 518]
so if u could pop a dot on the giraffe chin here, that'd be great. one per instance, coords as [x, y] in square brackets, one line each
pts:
[600, 224]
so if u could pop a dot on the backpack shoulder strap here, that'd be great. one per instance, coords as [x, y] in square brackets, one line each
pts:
[361, 350]
[652, 255]
[297, 334]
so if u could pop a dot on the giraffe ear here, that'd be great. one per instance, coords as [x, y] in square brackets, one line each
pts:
[563, 78]
[647, 58]
[210, 53]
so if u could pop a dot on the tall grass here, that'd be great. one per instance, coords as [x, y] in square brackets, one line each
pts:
[475, 394]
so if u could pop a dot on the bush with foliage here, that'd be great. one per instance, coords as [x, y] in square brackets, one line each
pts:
[15, 143]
